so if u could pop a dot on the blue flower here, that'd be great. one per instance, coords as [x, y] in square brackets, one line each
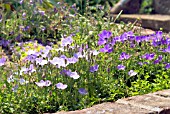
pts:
[104, 36]
[167, 49]
[31, 57]
[148, 56]
[94, 68]
[31, 68]
[156, 43]
[124, 37]
[167, 66]
[21, 1]
[124, 55]
[66, 41]
[2, 61]
[107, 48]
[4, 43]
[121, 67]
[140, 63]
[158, 59]
[159, 35]
[167, 41]
[73, 75]
[15, 88]
[138, 39]
[82, 91]
[72, 60]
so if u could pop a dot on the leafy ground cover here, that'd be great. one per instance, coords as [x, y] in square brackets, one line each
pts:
[61, 60]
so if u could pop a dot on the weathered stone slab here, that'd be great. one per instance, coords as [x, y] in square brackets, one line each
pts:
[152, 103]
[164, 93]
[154, 22]
[110, 108]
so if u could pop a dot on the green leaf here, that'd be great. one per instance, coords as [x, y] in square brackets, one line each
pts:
[7, 7]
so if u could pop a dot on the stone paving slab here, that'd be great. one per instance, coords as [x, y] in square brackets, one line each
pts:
[110, 108]
[164, 93]
[154, 22]
[152, 103]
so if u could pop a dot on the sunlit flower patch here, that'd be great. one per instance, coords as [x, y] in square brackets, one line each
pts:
[59, 60]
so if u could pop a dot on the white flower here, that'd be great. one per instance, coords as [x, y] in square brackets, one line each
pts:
[43, 62]
[29, 52]
[74, 75]
[10, 79]
[132, 73]
[58, 61]
[95, 52]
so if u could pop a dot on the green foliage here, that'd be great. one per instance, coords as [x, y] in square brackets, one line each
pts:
[146, 7]
[91, 4]
[20, 90]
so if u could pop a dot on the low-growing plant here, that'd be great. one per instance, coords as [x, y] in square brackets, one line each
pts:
[94, 61]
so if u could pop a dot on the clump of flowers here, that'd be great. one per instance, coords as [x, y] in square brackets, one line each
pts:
[75, 61]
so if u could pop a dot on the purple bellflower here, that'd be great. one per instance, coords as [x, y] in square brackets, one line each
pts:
[107, 48]
[167, 49]
[66, 41]
[104, 36]
[94, 68]
[82, 91]
[148, 56]
[121, 67]
[73, 75]
[124, 55]
[158, 59]
[72, 60]
[167, 66]
[2, 61]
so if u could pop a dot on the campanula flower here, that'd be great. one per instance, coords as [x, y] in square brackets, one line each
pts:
[107, 48]
[14, 89]
[2, 61]
[124, 55]
[121, 67]
[21, 1]
[104, 36]
[132, 73]
[167, 49]
[94, 68]
[61, 86]
[82, 91]
[167, 66]
[22, 81]
[74, 75]
[148, 56]
[158, 59]
[10, 79]
[66, 41]
[41, 61]
[58, 61]
[71, 60]
[43, 83]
